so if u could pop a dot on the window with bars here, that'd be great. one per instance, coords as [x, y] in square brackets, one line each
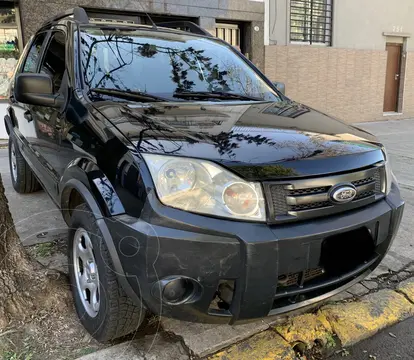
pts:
[229, 33]
[311, 21]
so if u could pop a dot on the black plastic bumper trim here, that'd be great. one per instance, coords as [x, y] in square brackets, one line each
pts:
[320, 298]
[331, 282]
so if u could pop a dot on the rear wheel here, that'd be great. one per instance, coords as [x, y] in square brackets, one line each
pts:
[23, 179]
[102, 305]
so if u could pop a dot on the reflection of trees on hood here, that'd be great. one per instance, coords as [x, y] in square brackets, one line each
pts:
[225, 144]
[154, 131]
[267, 171]
[312, 146]
[157, 130]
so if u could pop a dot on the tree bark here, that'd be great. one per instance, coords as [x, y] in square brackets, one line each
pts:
[25, 286]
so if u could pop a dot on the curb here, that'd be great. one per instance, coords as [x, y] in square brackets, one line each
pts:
[151, 347]
[339, 324]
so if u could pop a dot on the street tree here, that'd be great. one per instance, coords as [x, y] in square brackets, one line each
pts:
[26, 287]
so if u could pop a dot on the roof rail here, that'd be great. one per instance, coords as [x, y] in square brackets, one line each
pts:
[185, 26]
[78, 14]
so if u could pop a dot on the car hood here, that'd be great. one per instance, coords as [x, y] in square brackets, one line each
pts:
[259, 140]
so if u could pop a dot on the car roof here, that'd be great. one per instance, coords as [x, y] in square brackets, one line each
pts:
[79, 17]
[146, 29]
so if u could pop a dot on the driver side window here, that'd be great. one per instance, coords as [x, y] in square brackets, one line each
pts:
[53, 63]
[30, 64]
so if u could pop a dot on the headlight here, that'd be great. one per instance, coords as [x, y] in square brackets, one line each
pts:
[389, 175]
[203, 187]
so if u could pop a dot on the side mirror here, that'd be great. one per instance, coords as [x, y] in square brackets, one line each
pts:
[280, 86]
[36, 89]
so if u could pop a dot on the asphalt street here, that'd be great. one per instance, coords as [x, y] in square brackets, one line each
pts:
[397, 137]
[394, 343]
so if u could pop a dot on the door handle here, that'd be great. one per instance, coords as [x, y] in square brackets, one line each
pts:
[28, 116]
[397, 76]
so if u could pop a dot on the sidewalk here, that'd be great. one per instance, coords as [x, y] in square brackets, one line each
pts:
[153, 347]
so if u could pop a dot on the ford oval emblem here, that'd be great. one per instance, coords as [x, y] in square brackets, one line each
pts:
[343, 194]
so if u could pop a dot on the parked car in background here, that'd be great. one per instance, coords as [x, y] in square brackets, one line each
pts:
[192, 187]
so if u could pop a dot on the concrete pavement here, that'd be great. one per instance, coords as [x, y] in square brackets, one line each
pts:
[38, 220]
[35, 216]
[150, 347]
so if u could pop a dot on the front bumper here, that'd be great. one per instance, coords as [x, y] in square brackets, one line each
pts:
[166, 242]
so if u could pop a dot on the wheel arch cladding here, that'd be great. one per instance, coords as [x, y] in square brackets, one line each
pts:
[6, 124]
[84, 182]
[87, 197]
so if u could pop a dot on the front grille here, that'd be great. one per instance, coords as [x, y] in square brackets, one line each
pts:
[364, 195]
[310, 191]
[310, 206]
[278, 198]
[309, 198]
[363, 181]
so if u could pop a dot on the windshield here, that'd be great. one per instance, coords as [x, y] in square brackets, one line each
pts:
[165, 65]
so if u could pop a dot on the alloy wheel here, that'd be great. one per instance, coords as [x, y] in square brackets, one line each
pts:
[13, 161]
[86, 272]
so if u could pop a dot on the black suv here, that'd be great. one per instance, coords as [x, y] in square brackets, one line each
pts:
[192, 187]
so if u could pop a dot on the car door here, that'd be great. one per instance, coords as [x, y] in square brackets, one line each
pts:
[53, 63]
[26, 130]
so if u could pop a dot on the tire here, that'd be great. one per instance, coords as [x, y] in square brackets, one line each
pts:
[115, 315]
[23, 179]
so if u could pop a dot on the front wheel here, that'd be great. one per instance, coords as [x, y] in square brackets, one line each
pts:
[23, 179]
[102, 305]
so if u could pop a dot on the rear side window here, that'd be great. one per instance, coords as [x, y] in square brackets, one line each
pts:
[32, 58]
[54, 61]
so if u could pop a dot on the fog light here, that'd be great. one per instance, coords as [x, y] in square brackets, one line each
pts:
[177, 290]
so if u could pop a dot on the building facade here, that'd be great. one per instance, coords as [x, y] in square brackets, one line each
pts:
[349, 58]
[239, 21]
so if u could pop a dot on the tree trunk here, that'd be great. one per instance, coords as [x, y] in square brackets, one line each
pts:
[25, 286]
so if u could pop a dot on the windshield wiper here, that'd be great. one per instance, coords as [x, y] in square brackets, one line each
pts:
[213, 95]
[127, 94]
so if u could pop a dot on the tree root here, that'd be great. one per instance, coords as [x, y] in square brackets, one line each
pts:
[23, 295]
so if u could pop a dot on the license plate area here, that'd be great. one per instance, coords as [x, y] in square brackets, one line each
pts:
[343, 257]
[344, 252]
